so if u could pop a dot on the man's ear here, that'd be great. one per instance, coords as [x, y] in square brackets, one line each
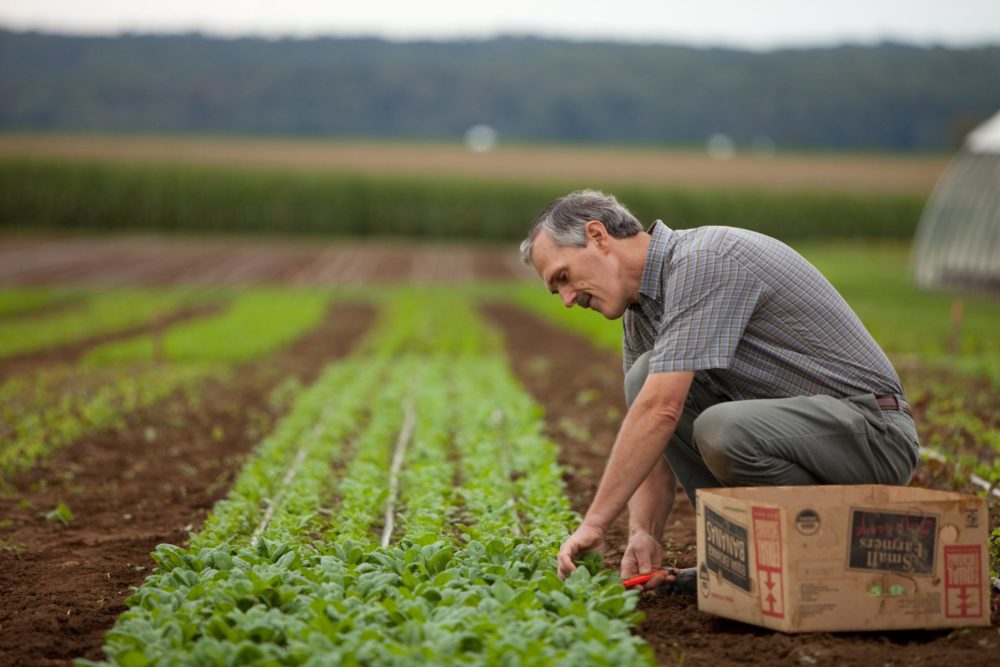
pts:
[596, 231]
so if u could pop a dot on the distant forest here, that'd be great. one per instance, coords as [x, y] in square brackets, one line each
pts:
[885, 97]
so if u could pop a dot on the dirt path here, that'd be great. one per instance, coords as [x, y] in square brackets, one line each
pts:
[150, 482]
[580, 388]
[239, 260]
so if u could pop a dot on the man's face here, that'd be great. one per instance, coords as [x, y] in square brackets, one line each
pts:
[586, 277]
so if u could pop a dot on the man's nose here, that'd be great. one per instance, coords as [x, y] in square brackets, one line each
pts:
[568, 296]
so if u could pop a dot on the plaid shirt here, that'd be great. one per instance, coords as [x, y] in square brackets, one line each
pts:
[752, 317]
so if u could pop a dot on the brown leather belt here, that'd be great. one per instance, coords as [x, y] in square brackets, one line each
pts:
[893, 403]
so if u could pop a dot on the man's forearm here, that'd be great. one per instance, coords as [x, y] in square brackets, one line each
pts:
[650, 505]
[637, 449]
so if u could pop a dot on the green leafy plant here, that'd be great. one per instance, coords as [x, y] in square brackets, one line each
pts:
[61, 514]
[290, 566]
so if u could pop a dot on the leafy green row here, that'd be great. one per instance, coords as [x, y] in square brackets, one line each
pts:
[23, 300]
[506, 427]
[428, 479]
[498, 603]
[49, 410]
[258, 322]
[362, 491]
[102, 313]
[481, 595]
[319, 423]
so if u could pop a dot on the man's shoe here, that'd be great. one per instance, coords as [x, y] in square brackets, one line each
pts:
[686, 582]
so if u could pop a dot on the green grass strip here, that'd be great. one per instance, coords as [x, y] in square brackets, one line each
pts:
[258, 322]
[103, 313]
[23, 300]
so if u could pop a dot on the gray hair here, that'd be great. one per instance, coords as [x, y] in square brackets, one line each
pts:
[566, 218]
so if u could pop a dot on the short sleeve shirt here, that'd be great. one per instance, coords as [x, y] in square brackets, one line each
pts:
[751, 317]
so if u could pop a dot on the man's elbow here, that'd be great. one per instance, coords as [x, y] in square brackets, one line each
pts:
[665, 413]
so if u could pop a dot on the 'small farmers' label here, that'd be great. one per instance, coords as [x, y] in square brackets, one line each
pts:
[726, 549]
[892, 542]
[963, 567]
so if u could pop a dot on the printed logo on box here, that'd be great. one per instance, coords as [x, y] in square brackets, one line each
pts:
[807, 522]
[962, 583]
[726, 549]
[767, 547]
[892, 542]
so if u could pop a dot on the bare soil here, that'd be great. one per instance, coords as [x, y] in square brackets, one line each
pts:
[153, 481]
[580, 387]
[180, 261]
[879, 174]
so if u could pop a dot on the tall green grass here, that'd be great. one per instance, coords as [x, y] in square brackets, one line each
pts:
[37, 194]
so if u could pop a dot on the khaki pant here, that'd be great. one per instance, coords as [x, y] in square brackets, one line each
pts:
[785, 441]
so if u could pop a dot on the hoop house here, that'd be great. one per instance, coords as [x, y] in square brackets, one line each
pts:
[957, 247]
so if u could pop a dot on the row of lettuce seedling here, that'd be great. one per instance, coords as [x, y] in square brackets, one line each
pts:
[48, 409]
[468, 574]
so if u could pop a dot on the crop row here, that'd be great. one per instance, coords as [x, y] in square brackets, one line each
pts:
[86, 315]
[257, 322]
[49, 409]
[23, 300]
[406, 511]
[46, 411]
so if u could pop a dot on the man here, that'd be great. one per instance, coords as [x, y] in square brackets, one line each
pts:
[744, 367]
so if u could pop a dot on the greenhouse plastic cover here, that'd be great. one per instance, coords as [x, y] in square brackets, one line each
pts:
[986, 137]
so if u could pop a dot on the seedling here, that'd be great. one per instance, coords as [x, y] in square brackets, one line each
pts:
[61, 513]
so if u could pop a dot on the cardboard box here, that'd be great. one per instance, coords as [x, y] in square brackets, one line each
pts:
[820, 558]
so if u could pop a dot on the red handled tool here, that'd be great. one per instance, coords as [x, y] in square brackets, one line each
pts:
[643, 578]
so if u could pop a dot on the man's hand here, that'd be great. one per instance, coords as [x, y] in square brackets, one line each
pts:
[642, 555]
[588, 537]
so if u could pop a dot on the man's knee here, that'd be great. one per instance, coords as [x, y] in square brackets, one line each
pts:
[722, 442]
[636, 377]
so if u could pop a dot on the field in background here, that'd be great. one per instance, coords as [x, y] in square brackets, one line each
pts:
[238, 396]
[607, 167]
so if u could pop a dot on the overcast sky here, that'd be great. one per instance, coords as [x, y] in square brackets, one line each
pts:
[758, 24]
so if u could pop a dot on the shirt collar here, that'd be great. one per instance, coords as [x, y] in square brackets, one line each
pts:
[660, 248]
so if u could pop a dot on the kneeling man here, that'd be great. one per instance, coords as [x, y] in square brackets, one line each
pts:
[743, 367]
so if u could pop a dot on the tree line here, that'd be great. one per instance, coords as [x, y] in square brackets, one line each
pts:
[882, 97]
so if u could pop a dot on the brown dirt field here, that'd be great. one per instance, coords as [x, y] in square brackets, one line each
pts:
[159, 261]
[548, 362]
[590, 166]
[63, 586]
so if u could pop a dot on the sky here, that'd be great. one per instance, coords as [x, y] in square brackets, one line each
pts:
[752, 24]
